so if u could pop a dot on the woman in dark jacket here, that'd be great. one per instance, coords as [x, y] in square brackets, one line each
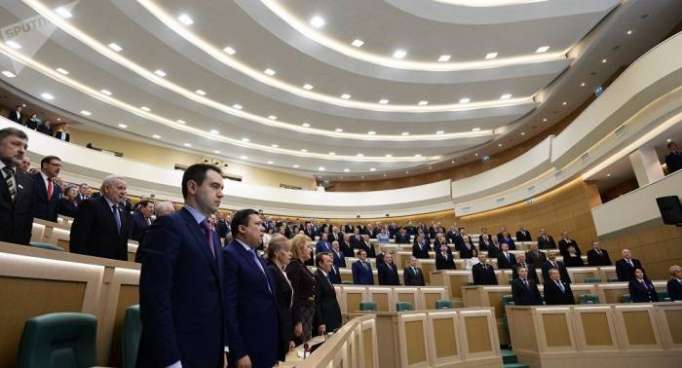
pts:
[68, 206]
[279, 255]
[305, 290]
[641, 289]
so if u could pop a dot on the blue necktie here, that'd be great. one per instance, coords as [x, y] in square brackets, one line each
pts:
[117, 218]
[260, 266]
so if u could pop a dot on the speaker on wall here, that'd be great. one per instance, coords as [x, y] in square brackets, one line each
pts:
[671, 210]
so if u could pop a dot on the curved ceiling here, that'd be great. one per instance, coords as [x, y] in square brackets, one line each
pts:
[281, 84]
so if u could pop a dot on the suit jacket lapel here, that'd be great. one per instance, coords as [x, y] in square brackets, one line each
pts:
[199, 239]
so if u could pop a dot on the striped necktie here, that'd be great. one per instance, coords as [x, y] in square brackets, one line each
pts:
[9, 175]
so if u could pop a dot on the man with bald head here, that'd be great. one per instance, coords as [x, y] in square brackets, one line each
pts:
[100, 229]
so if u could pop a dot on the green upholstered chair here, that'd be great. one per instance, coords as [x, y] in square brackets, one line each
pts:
[507, 300]
[588, 299]
[625, 298]
[592, 280]
[46, 246]
[444, 304]
[368, 306]
[130, 338]
[403, 306]
[663, 296]
[59, 340]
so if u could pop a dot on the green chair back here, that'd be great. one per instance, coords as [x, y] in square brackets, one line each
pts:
[130, 338]
[592, 280]
[368, 306]
[625, 298]
[444, 304]
[59, 340]
[403, 306]
[588, 299]
[663, 296]
[507, 300]
[46, 246]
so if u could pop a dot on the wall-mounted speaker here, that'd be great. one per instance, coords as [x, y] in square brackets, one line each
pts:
[671, 210]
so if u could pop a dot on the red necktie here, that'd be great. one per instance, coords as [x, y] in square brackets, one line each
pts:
[206, 226]
[50, 189]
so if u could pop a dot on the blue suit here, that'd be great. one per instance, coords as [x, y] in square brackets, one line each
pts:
[250, 307]
[362, 275]
[323, 247]
[181, 302]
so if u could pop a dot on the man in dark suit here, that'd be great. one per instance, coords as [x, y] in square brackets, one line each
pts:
[46, 191]
[521, 263]
[674, 158]
[181, 296]
[598, 256]
[625, 267]
[367, 246]
[674, 285]
[16, 115]
[356, 239]
[334, 274]
[250, 305]
[46, 128]
[483, 273]
[335, 235]
[501, 234]
[523, 234]
[557, 291]
[362, 270]
[421, 247]
[444, 260]
[550, 263]
[141, 219]
[327, 310]
[525, 291]
[535, 257]
[16, 188]
[388, 272]
[402, 237]
[100, 228]
[505, 260]
[413, 275]
[338, 256]
[323, 245]
[566, 242]
[83, 193]
[546, 241]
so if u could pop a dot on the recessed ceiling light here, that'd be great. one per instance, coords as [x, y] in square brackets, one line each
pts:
[105, 92]
[187, 145]
[544, 120]
[609, 174]
[388, 155]
[63, 71]
[505, 96]
[305, 125]
[346, 170]
[8, 74]
[272, 117]
[476, 154]
[383, 101]
[269, 72]
[274, 145]
[499, 144]
[338, 130]
[523, 133]
[332, 153]
[629, 32]
[160, 73]
[243, 157]
[345, 96]
[490, 55]
[271, 162]
[317, 21]
[423, 103]
[476, 130]
[185, 19]
[542, 49]
[145, 108]
[304, 150]
[217, 152]
[464, 100]
[296, 166]
[180, 121]
[86, 112]
[440, 132]
[583, 84]
[47, 96]
[237, 106]
[156, 136]
[63, 12]
[357, 43]
[123, 126]
[13, 44]
[418, 155]
[564, 103]
[452, 162]
[603, 61]
[200, 92]
[669, 140]
[308, 86]
[360, 155]
[444, 58]
[229, 50]
[399, 54]
[371, 132]
[114, 46]
[405, 134]
[214, 131]
[321, 168]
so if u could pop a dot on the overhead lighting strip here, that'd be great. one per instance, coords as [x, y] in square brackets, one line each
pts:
[94, 93]
[191, 95]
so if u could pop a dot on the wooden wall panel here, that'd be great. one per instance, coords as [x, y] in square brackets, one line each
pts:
[128, 295]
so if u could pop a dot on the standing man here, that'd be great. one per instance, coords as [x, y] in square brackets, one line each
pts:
[388, 272]
[625, 267]
[16, 188]
[674, 158]
[598, 256]
[525, 291]
[251, 313]
[181, 300]
[362, 270]
[16, 115]
[327, 310]
[550, 263]
[483, 273]
[413, 275]
[141, 219]
[83, 193]
[47, 191]
[557, 291]
[100, 228]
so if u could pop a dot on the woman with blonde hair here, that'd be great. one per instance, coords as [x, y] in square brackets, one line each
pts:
[279, 256]
[305, 290]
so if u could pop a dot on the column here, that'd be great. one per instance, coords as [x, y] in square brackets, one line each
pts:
[646, 166]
